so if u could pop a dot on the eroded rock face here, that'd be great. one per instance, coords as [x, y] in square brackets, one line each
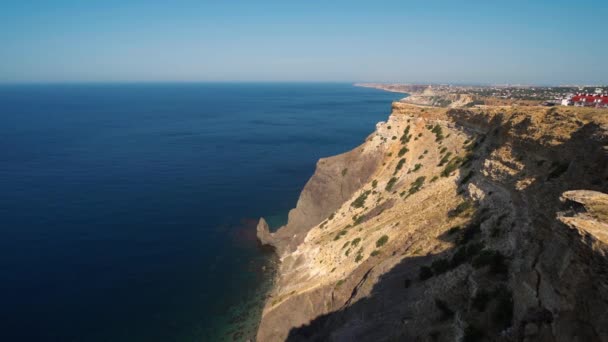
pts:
[451, 223]
[334, 181]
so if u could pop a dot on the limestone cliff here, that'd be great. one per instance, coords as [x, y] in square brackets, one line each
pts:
[451, 224]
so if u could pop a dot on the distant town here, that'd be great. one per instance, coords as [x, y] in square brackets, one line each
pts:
[444, 95]
[550, 96]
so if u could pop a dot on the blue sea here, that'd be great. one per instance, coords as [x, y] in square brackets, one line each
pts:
[128, 211]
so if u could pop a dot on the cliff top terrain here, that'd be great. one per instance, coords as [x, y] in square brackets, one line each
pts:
[469, 222]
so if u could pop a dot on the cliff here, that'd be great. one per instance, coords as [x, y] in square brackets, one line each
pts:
[448, 223]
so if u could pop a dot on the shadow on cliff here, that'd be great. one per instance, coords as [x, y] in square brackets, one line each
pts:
[414, 286]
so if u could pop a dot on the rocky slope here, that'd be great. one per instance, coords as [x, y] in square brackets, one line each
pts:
[448, 224]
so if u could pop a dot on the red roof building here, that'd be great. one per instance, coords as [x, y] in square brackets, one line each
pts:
[590, 100]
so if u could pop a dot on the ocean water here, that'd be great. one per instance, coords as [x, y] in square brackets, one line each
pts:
[128, 211]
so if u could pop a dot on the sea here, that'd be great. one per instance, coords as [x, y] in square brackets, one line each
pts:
[128, 211]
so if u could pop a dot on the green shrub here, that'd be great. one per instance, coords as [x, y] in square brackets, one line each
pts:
[331, 217]
[451, 166]
[340, 234]
[466, 178]
[390, 184]
[393, 138]
[445, 159]
[359, 202]
[425, 152]
[344, 171]
[346, 244]
[381, 241]
[438, 133]
[375, 252]
[405, 138]
[374, 183]
[435, 178]
[340, 282]
[425, 273]
[462, 208]
[347, 252]
[399, 165]
[358, 219]
[417, 167]
[356, 242]
[443, 149]
[402, 151]
[416, 185]
[358, 257]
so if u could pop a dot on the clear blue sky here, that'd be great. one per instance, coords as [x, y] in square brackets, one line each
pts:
[408, 41]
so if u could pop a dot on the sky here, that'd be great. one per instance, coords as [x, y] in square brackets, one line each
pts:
[492, 42]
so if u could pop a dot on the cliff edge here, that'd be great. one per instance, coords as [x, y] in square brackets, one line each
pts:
[481, 223]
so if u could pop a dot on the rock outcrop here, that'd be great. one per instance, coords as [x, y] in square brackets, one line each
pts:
[483, 223]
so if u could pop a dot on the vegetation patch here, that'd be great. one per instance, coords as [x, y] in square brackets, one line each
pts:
[468, 177]
[344, 171]
[435, 178]
[416, 185]
[381, 241]
[405, 138]
[375, 252]
[445, 159]
[399, 165]
[417, 167]
[462, 209]
[438, 133]
[356, 242]
[451, 166]
[402, 151]
[340, 234]
[359, 202]
[390, 184]
[374, 183]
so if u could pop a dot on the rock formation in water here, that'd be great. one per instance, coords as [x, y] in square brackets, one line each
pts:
[474, 224]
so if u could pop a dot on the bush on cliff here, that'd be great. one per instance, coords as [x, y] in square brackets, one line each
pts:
[390, 184]
[381, 241]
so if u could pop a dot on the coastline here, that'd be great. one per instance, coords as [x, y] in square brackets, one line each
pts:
[351, 258]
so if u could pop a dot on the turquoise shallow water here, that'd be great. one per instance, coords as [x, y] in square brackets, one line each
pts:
[128, 211]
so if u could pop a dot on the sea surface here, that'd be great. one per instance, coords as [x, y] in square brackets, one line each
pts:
[128, 211]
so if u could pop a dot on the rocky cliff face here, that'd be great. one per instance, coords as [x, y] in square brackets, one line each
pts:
[451, 224]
